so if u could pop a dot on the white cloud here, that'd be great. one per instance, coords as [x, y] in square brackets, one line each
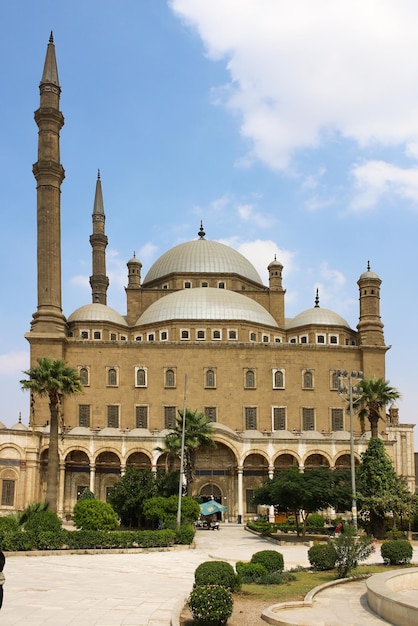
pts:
[374, 179]
[247, 213]
[302, 72]
[261, 252]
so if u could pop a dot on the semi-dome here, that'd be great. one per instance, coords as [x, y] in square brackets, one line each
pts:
[206, 303]
[317, 316]
[202, 256]
[96, 312]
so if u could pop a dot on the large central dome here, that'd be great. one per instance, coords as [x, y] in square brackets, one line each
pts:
[202, 257]
[206, 303]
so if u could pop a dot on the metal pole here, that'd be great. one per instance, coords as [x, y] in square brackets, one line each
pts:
[183, 433]
[352, 460]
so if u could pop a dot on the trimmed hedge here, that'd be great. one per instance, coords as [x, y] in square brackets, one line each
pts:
[218, 573]
[185, 534]
[250, 572]
[273, 561]
[396, 552]
[211, 604]
[22, 540]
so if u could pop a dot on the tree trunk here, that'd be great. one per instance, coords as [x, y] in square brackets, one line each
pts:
[53, 460]
[374, 426]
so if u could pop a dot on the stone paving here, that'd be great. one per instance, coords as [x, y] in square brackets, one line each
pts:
[142, 589]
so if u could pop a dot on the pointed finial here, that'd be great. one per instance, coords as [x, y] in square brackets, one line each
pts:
[368, 266]
[20, 417]
[317, 298]
[134, 255]
[275, 257]
[98, 174]
[201, 232]
[51, 37]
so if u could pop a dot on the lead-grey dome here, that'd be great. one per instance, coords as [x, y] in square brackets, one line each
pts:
[96, 312]
[202, 256]
[206, 303]
[317, 316]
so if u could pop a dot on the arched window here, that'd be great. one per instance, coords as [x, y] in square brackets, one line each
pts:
[169, 378]
[250, 378]
[140, 377]
[210, 378]
[278, 381]
[84, 376]
[307, 380]
[112, 378]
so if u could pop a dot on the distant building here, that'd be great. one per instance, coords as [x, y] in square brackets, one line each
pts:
[267, 382]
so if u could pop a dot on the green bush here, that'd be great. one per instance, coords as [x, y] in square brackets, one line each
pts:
[272, 560]
[350, 550]
[8, 523]
[396, 552]
[250, 572]
[211, 604]
[184, 535]
[94, 515]
[315, 520]
[50, 540]
[17, 541]
[322, 556]
[43, 521]
[218, 573]
[87, 495]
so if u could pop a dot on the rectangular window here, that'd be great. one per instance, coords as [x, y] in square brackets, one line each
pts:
[8, 492]
[210, 413]
[279, 418]
[84, 415]
[308, 418]
[113, 416]
[169, 417]
[337, 419]
[250, 418]
[141, 417]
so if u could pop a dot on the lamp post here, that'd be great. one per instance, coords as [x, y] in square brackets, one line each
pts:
[350, 376]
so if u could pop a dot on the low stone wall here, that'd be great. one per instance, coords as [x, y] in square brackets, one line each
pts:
[387, 596]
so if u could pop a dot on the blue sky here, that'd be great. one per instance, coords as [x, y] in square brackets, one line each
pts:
[290, 127]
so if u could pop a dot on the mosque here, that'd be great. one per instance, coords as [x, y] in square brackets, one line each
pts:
[200, 314]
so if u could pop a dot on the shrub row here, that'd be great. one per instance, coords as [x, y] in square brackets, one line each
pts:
[18, 540]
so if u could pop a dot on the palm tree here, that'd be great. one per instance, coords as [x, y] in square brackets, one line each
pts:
[197, 434]
[52, 379]
[376, 394]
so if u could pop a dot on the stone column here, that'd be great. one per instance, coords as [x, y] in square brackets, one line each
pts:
[240, 471]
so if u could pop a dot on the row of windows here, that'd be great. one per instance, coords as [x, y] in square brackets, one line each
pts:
[216, 334]
[278, 417]
[209, 377]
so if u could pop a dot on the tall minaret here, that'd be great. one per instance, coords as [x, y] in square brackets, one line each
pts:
[49, 175]
[98, 280]
[370, 326]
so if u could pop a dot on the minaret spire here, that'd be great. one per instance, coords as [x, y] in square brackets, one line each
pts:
[49, 175]
[98, 280]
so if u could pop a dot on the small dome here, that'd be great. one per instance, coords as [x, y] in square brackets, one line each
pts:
[274, 263]
[369, 274]
[97, 313]
[317, 316]
[80, 430]
[19, 426]
[202, 257]
[2, 426]
[206, 303]
[109, 432]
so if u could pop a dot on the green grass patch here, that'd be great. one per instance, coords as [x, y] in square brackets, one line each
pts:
[305, 581]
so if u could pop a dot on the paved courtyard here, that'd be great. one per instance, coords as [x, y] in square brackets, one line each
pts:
[140, 589]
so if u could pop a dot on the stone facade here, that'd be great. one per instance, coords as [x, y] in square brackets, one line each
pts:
[201, 322]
